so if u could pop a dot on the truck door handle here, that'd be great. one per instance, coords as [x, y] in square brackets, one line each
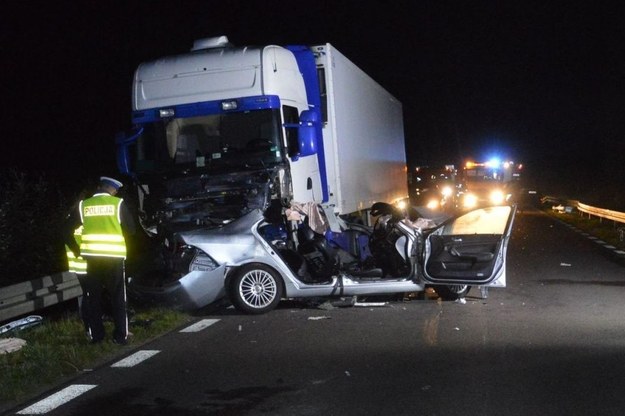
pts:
[309, 183]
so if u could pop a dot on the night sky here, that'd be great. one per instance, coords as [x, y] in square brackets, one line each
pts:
[539, 82]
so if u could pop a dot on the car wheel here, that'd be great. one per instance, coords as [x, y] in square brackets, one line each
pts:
[452, 292]
[255, 289]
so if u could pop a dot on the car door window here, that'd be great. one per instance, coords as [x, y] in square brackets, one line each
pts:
[469, 249]
[490, 220]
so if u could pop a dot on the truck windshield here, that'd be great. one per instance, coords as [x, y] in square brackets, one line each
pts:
[483, 174]
[212, 142]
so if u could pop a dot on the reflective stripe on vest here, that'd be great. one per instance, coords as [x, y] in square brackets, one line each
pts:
[75, 264]
[102, 233]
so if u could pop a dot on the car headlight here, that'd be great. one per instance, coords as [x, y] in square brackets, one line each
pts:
[469, 201]
[432, 204]
[446, 191]
[497, 197]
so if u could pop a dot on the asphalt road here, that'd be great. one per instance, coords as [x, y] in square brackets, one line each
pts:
[551, 343]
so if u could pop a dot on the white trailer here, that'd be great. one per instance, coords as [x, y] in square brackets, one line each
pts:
[363, 137]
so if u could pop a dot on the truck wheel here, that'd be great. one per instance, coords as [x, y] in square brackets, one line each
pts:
[255, 289]
[452, 292]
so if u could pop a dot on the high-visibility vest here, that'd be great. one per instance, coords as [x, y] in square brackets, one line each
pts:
[102, 231]
[75, 264]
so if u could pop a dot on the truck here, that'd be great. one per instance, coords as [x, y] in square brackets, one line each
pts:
[490, 182]
[222, 131]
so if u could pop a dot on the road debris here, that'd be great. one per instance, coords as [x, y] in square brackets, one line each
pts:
[561, 208]
[368, 304]
[20, 324]
[317, 318]
[565, 264]
[9, 345]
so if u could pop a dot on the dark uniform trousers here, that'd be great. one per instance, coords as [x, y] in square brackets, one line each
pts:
[105, 275]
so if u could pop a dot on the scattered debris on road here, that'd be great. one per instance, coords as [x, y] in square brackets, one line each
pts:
[20, 324]
[9, 345]
[370, 304]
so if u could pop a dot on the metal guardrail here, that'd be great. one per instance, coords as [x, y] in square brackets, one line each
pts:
[608, 214]
[26, 297]
[602, 212]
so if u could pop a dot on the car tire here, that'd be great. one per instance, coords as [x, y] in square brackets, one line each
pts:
[255, 289]
[452, 292]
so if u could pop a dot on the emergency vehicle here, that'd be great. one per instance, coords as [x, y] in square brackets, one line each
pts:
[489, 183]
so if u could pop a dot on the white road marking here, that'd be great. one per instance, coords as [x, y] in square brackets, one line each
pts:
[595, 239]
[136, 358]
[71, 392]
[57, 399]
[198, 326]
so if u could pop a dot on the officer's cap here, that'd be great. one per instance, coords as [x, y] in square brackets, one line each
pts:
[105, 180]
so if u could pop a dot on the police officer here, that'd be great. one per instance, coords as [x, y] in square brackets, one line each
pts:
[106, 220]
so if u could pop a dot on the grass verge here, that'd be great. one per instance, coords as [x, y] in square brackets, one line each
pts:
[58, 349]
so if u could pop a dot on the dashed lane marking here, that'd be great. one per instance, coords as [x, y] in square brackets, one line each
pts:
[57, 399]
[136, 358]
[200, 325]
[593, 238]
[71, 392]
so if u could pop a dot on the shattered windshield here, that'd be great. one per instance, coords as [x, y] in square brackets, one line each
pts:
[211, 142]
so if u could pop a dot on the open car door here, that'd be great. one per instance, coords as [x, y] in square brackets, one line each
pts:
[470, 249]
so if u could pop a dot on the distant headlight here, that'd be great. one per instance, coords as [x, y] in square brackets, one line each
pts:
[469, 201]
[446, 191]
[432, 204]
[401, 204]
[497, 197]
